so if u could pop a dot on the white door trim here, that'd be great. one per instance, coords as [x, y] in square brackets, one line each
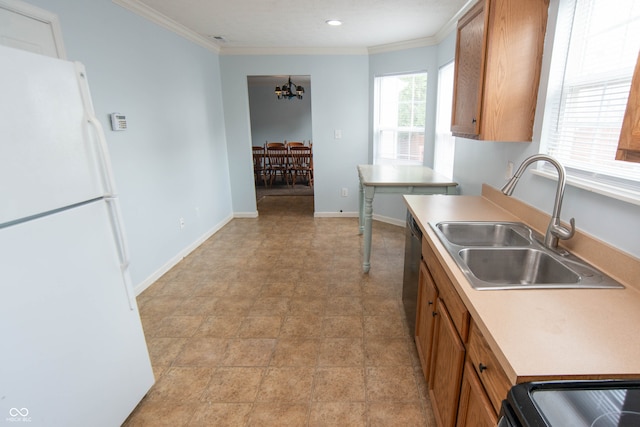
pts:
[42, 15]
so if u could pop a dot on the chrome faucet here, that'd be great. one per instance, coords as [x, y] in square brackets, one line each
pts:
[555, 230]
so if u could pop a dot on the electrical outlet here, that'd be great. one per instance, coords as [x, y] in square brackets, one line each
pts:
[181, 223]
[344, 192]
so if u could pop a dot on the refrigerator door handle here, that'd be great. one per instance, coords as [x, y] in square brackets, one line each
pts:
[103, 150]
[103, 154]
[107, 177]
[123, 249]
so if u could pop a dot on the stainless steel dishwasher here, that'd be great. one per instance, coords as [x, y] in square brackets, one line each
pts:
[412, 256]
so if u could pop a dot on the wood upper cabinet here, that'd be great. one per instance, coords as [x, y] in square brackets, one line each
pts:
[497, 69]
[629, 143]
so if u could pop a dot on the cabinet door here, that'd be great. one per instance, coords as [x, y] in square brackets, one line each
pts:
[498, 62]
[513, 61]
[475, 408]
[469, 69]
[493, 378]
[427, 295]
[446, 368]
[629, 144]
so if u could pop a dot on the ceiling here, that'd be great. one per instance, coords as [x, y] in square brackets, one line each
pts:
[290, 25]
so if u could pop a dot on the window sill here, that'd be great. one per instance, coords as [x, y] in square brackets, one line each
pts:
[624, 195]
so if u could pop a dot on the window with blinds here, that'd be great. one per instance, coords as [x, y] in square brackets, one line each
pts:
[596, 47]
[399, 119]
[445, 144]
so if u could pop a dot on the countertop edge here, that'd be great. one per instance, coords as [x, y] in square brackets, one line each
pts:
[516, 211]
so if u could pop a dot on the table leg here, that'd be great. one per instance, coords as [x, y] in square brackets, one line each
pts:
[361, 209]
[368, 222]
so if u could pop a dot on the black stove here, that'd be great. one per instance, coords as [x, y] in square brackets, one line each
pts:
[573, 404]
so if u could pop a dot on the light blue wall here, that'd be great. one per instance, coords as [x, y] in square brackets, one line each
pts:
[479, 162]
[172, 160]
[277, 120]
[339, 100]
[176, 155]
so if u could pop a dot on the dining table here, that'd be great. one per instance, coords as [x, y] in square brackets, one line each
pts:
[398, 179]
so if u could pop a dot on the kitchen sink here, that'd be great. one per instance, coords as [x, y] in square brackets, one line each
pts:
[485, 233]
[510, 255]
[521, 266]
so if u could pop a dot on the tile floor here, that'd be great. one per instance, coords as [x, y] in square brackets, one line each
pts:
[271, 322]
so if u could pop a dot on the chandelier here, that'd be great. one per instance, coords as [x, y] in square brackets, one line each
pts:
[289, 90]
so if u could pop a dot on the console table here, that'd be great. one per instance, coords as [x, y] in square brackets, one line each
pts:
[394, 179]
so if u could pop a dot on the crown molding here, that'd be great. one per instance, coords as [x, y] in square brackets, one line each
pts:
[154, 16]
[408, 44]
[294, 51]
[452, 25]
[442, 34]
[168, 23]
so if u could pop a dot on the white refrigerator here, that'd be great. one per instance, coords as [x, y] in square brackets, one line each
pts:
[72, 349]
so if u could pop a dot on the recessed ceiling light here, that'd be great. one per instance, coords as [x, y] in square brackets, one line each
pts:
[334, 22]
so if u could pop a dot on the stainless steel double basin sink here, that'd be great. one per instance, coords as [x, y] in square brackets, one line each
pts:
[509, 255]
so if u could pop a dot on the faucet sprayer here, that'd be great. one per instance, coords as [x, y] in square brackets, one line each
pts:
[555, 230]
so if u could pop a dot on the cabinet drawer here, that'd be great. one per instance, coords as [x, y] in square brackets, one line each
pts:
[491, 374]
[459, 313]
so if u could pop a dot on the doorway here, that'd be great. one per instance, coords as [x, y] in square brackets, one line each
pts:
[283, 120]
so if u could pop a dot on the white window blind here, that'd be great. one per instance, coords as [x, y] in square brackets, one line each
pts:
[601, 43]
[444, 152]
[399, 119]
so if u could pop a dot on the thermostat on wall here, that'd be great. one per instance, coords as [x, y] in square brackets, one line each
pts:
[118, 121]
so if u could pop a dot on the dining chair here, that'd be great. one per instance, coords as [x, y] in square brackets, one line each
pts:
[278, 162]
[301, 164]
[259, 166]
[274, 144]
[294, 143]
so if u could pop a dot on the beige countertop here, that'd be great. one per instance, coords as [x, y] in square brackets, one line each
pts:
[542, 334]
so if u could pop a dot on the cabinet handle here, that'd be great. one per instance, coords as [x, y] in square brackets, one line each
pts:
[474, 121]
[430, 303]
[434, 314]
[482, 367]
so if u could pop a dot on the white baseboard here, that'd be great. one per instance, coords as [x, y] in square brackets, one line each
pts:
[335, 214]
[245, 214]
[385, 219]
[140, 287]
[389, 220]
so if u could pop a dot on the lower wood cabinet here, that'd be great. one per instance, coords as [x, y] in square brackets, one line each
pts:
[425, 318]
[475, 409]
[465, 380]
[495, 382]
[446, 368]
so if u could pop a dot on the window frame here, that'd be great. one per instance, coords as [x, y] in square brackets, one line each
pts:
[626, 188]
[378, 129]
[445, 142]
